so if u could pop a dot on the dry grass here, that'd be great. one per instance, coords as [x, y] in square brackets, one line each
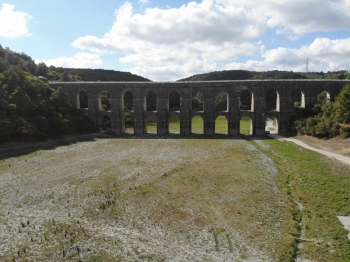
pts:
[150, 200]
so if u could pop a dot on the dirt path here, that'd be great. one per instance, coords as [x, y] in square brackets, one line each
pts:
[328, 153]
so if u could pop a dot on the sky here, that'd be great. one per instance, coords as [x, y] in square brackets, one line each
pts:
[170, 40]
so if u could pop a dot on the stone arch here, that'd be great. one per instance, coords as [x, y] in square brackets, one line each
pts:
[246, 125]
[298, 98]
[323, 97]
[105, 123]
[174, 102]
[129, 124]
[198, 102]
[272, 100]
[221, 125]
[82, 99]
[221, 101]
[128, 101]
[246, 100]
[151, 125]
[151, 101]
[105, 101]
[197, 125]
[272, 125]
[174, 125]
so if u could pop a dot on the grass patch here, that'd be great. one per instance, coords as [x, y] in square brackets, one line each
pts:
[322, 188]
[174, 125]
[197, 125]
[221, 125]
[151, 125]
[244, 125]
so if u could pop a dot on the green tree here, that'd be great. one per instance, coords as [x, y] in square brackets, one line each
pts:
[22, 101]
[343, 105]
[41, 69]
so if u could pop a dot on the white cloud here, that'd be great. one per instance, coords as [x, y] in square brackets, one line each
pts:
[196, 37]
[167, 38]
[13, 23]
[79, 60]
[324, 55]
[299, 17]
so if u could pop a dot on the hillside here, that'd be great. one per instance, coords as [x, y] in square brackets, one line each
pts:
[80, 74]
[275, 74]
[30, 110]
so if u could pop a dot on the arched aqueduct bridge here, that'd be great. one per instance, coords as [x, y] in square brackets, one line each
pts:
[256, 99]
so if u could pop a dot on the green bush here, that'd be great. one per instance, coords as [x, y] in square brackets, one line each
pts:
[345, 131]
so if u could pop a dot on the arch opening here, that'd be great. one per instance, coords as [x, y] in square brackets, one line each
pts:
[246, 101]
[128, 101]
[151, 101]
[221, 101]
[198, 102]
[105, 101]
[151, 125]
[174, 101]
[323, 98]
[129, 125]
[83, 99]
[298, 98]
[174, 125]
[105, 123]
[271, 125]
[221, 125]
[246, 126]
[272, 100]
[197, 125]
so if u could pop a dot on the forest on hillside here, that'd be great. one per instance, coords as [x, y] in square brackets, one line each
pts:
[29, 108]
[275, 74]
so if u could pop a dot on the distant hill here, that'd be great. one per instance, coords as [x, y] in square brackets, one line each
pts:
[221, 75]
[275, 74]
[76, 74]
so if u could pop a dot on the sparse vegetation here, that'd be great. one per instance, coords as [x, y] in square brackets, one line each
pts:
[317, 192]
[131, 199]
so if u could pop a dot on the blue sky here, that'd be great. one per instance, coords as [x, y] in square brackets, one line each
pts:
[169, 40]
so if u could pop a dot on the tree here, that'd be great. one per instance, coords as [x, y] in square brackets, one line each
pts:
[41, 69]
[343, 103]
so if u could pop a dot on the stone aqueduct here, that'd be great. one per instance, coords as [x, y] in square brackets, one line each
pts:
[283, 111]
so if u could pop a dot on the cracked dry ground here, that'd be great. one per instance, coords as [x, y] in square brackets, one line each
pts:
[141, 200]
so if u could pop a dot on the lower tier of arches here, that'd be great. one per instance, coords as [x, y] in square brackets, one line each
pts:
[223, 123]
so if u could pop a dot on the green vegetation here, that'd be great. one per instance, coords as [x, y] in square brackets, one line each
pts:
[152, 125]
[221, 125]
[321, 188]
[328, 119]
[221, 75]
[29, 108]
[197, 125]
[245, 125]
[60, 74]
[275, 74]
[174, 125]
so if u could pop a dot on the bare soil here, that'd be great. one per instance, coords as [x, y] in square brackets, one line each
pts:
[335, 145]
[141, 200]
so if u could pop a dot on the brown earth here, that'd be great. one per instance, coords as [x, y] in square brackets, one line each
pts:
[335, 145]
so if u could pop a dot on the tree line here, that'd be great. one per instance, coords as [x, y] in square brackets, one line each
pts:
[29, 108]
[326, 119]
